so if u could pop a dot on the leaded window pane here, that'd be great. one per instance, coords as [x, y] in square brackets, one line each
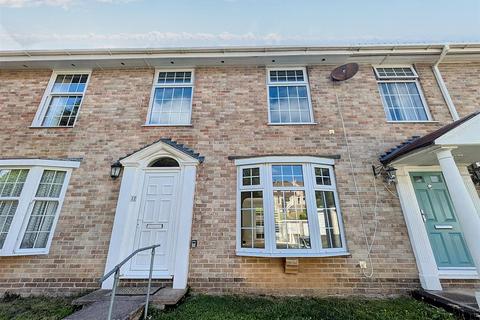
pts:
[62, 111]
[291, 220]
[328, 219]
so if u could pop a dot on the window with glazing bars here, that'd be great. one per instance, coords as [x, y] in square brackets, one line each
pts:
[288, 208]
[171, 98]
[62, 101]
[401, 94]
[289, 96]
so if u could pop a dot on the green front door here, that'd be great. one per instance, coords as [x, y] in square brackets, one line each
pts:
[438, 214]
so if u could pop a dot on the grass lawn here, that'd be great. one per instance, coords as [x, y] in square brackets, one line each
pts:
[203, 307]
[34, 308]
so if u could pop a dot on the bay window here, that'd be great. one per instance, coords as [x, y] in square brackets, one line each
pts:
[288, 206]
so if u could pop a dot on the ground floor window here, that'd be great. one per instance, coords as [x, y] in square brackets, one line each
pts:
[31, 197]
[288, 207]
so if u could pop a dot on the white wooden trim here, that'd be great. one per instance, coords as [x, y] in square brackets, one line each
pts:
[42, 108]
[126, 214]
[305, 82]
[284, 159]
[379, 77]
[156, 85]
[11, 246]
[40, 163]
[309, 189]
[426, 264]
[458, 273]
[420, 92]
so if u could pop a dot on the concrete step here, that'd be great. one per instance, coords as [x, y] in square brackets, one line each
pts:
[125, 308]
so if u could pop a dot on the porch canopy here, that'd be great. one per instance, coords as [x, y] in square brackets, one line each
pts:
[450, 149]
[461, 136]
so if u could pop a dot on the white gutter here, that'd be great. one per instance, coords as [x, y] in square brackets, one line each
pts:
[443, 87]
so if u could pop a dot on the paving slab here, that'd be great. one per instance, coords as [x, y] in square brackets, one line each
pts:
[123, 309]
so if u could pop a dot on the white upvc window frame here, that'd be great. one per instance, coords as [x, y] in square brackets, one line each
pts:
[396, 79]
[266, 186]
[156, 85]
[305, 82]
[27, 199]
[48, 95]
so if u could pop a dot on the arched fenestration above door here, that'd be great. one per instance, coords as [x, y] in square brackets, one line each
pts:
[164, 162]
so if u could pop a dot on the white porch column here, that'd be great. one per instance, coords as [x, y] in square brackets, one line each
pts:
[427, 267]
[462, 201]
[184, 229]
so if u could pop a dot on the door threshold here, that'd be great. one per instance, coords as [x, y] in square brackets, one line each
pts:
[458, 273]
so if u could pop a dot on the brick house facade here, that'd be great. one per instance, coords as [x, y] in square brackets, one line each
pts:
[229, 119]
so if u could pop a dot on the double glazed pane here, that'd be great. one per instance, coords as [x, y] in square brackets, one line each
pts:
[328, 219]
[11, 185]
[322, 176]
[252, 220]
[289, 104]
[402, 101]
[44, 210]
[62, 111]
[64, 101]
[287, 176]
[174, 77]
[286, 76]
[251, 176]
[12, 181]
[171, 105]
[395, 72]
[291, 220]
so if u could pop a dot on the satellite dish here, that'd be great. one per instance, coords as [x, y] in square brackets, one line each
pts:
[344, 72]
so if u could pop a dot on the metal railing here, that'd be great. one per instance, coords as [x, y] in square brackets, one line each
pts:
[116, 278]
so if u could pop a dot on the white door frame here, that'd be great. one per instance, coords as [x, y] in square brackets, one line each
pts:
[173, 219]
[429, 273]
[128, 207]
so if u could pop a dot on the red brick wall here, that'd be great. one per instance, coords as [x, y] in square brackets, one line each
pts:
[229, 118]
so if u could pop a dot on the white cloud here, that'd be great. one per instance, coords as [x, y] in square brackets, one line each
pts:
[51, 3]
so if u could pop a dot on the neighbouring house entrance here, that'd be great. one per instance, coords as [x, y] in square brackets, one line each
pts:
[443, 229]
[156, 219]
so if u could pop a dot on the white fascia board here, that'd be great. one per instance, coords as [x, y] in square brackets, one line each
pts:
[468, 133]
[40, 162]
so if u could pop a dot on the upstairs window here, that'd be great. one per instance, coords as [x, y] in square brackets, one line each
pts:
[62, 99]
[288, 207]
[289, 96]
[171, 102]
[401, 95]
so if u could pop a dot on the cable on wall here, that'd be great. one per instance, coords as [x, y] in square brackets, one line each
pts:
[369, 245]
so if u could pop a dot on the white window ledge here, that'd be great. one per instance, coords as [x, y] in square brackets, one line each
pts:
[167, 125]
[408, 121]
[292, 124]
[460, 273]
[40, 163]
[293, 254]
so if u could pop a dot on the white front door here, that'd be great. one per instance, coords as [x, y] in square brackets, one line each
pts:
[156, 220]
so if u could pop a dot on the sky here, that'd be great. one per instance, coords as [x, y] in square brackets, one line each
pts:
[77, 24]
